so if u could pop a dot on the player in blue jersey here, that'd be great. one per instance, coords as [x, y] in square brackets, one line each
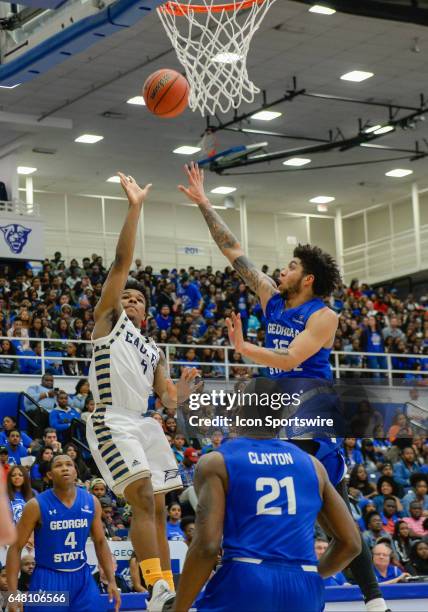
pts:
[259, 499]
[62, 519]
[300, 335]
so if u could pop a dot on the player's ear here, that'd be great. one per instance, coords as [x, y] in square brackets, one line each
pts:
[309, 279]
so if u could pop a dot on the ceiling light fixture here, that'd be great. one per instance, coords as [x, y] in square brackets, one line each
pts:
[384, 130]
[266, 115]
[113, 179]
[26, 170]
[89, 138]
[356, 76]
[223, 190]
[297, 161]
[322, 200]
[322, 10]
[9, 86]
[399, 172]
[186, 150]
[371, 129]
[137, 100]
[226, 58]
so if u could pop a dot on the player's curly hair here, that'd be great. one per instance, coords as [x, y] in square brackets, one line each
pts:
[322, 265]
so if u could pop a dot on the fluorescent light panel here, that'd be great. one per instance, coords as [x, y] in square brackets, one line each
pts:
[223, 190]
[371, 129]
[297, 161]
[186, 150]
[384, 130]
[356, 76]
[322, 200]
[113, 179]
[9, 86]
[399, 172]
[266, 115]
[26, 170]
[137, 100]
[227, 58]
[321, 10]
[89, 138]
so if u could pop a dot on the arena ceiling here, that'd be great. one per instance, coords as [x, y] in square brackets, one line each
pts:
[91, 90]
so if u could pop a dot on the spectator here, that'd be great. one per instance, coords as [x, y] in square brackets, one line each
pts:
[19, 490]
[352, 455]
[359, 481]
[386, 487]
[44, 394]
[83, 472]
[4, 461]
[371, 342]
[400, 428]
[407, 466]
[402, 544]
[16, 450]
[178, 447]
[216, 440]
[70, 366]
[173, 529]
[107, 513]
[419, 492]
[164, 319]
[8, 361]
[374, 529]
[416, 520]
[62, 415]
[171, 426]
[393, 330]
[27, 568]
[98, 488]
[187, 526]
[50, 438]
[45, 482]
[45, 455]
[77, 401]
[419, 558]
[102, 582]
[337, 579]
[189, 294]
[3, 579]
[186, 470]
[88, 408]
[390, 514]
[386, 573]
[9, 423]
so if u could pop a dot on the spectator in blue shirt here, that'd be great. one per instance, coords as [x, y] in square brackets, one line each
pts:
[189, 293]
[418, 492]
[186, 470]
[62, 415]
[178, 447]
[164, 319]
[352, 454]
[385, 572]
[173, 529]
[338, 579]
[15, 448]
[33, 362]
[78, 400]
[407, 466]
[9, 423]
[19, 490]
[374, 529]
[44, 394]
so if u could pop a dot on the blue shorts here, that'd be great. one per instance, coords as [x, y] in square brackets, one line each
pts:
[83, 592]
[264, 587]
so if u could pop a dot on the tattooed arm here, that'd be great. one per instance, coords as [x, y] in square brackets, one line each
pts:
[228, 244]
[211, 484]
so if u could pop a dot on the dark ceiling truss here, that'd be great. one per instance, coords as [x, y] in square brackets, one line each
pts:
[397, 116]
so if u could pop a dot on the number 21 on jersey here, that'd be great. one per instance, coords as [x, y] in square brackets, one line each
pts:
[275, 487]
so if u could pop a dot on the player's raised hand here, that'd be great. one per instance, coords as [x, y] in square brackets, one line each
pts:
[135, 194]
[114, 594]
[236, 335]
[195, 191]
[186, 384]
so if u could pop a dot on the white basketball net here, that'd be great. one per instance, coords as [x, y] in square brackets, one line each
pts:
[213, 46]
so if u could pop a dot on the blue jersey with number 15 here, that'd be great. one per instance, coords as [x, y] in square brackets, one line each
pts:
[272, 501]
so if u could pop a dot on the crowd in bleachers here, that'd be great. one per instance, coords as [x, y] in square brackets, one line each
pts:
[189, 307]
[388, 475]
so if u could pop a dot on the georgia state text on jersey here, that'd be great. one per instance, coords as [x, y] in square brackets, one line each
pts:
[283, 325]
[272, 501]
[123, 366]
[60, 541]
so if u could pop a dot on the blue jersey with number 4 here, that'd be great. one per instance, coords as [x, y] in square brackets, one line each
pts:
[272, 501]
[61, 539]
[283, 325]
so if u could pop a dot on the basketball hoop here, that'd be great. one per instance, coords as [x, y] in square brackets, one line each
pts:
[212, 41]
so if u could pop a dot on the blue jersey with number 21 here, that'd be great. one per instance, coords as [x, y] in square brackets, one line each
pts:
[272, 501]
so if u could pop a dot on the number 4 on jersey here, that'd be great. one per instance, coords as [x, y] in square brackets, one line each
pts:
[275, 492]
[70, 540]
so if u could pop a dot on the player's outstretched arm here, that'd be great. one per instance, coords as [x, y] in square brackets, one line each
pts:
[210, 482]
[335, 516]
[256, 280]
[103, 553]
[25, 527]
[108, 308]
[319, 331]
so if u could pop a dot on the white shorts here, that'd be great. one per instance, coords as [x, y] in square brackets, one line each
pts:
[127, 447]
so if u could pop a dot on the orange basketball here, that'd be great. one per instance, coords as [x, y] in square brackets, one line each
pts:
[166, 93]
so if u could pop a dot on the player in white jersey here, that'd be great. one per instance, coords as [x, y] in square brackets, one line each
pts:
[131, 451]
